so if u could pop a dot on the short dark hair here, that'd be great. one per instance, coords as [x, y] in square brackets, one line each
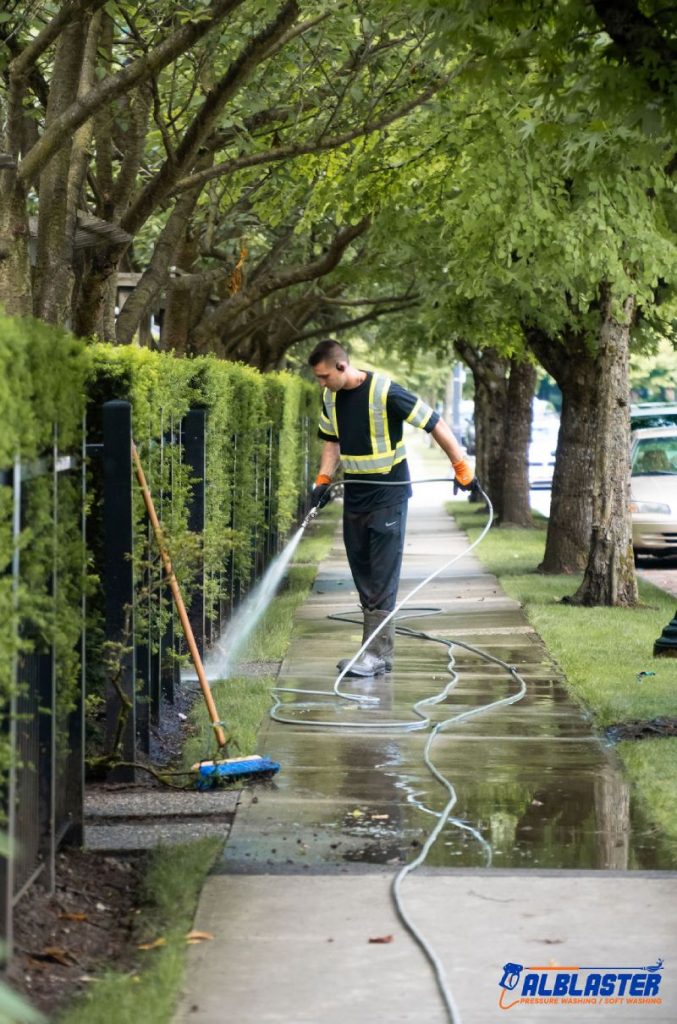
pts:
[327, 351]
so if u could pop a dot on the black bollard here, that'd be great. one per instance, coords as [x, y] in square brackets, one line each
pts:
[666, 645]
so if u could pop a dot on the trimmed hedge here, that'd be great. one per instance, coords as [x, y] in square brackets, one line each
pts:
[256, 425]
[259, 428]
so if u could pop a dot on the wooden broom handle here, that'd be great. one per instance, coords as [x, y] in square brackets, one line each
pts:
[178, 600]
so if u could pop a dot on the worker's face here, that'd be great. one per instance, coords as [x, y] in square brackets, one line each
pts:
[328, 376]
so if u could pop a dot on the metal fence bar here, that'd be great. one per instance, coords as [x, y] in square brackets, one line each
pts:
[8, 863]
[195, 458]
[118, 583]
[169, 667]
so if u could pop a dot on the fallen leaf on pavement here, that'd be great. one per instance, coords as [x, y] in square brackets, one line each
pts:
[382, 939]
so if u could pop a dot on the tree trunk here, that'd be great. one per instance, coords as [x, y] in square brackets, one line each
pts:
[95, 302]
[519, 405]
[185, 302]
[15, 272]
[609, 577]
[489, 371]
[54, 273]
[146, 296]
[573, 364]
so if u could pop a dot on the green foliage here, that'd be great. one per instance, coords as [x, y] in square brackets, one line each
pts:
[654, 376]
[260, 443]
[42, 374]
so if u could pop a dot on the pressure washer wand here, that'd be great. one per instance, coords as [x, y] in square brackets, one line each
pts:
[311, 515]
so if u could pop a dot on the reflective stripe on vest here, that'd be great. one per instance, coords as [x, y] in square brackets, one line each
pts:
[420, 414]
[382, 457]
[374, 463]
[328, 420]
[378, 417]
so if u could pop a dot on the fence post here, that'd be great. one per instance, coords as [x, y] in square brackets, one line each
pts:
[118, 581]
[7, 871]
[142, 638]
[195, 458]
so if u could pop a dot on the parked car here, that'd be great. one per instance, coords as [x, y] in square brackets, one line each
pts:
[645, 415]
[653, 502]
[543, 445]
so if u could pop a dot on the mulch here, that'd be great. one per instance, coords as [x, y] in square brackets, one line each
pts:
[87, 926]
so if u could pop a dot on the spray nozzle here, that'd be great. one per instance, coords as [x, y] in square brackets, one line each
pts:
[311, 515]
[511, 975]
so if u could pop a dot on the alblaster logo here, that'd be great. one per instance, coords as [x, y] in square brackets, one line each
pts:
[582, 986]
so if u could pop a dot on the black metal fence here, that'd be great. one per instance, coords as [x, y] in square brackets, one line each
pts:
[43, 801]
[45, 775]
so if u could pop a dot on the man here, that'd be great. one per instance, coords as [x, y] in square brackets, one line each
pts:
[361, 425]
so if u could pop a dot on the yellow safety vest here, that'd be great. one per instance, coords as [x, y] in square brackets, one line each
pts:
[383, 455]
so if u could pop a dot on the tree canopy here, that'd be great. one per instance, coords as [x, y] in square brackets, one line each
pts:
[491, 178]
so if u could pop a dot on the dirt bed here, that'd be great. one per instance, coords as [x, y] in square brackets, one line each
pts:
[86, 927]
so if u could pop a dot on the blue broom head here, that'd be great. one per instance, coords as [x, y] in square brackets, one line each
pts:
[211, 773]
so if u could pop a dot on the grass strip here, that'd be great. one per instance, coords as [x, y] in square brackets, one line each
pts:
[601, 651]
[148, 991]
[243, 700]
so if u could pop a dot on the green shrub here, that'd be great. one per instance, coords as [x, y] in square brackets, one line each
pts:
[42, 372]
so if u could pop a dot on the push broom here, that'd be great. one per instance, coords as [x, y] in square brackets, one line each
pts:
[209, 771]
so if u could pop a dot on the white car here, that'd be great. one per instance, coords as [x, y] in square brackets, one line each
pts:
[542, 451]
[654, 491]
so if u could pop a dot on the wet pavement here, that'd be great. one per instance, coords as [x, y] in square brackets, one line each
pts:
[305, 872]
[534, 779]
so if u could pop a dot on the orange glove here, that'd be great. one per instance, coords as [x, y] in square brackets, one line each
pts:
[321, 493]
[464, 474]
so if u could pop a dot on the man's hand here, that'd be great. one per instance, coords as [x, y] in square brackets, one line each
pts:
[321, 493]
[464, 474]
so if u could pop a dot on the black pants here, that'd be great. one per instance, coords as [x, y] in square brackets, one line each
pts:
[374, 544]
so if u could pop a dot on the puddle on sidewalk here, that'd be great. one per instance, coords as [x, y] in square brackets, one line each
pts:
[535, 784]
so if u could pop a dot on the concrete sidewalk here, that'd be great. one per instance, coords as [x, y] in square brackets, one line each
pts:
[304, 882]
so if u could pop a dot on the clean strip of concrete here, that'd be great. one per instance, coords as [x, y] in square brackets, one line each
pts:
[297, 950]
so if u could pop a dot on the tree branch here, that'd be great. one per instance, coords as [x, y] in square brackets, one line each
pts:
[639, 39]
[258, 49]
[60, 132]
[28, 57]
[345, 325]
[236, 305]
[316, 145]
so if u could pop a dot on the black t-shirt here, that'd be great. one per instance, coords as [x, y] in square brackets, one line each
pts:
[352, 415]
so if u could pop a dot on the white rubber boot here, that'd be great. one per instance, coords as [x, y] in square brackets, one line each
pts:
[378, 657]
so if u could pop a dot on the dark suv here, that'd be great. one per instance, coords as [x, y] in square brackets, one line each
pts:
[648, 415]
